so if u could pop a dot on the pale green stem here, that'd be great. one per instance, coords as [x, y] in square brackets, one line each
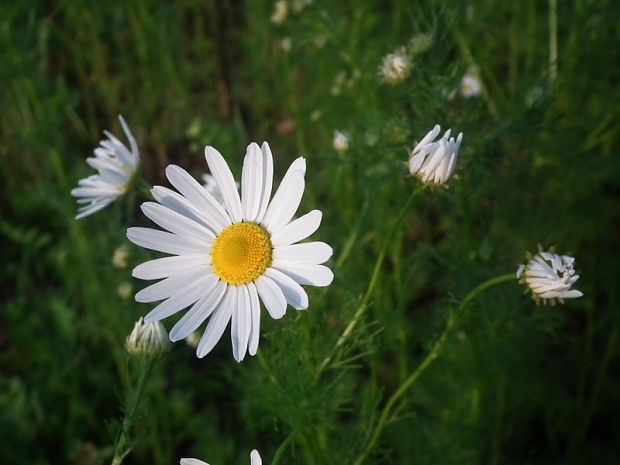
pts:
[553, 40]
[280, 452]
[123, 445]
[373, 280]
[428, 361]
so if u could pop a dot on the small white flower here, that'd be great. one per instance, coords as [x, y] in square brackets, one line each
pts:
[147, 339]
[550, 277]
[120, 258]
[395, 67]
[433, 162]
[341, 141]
[116, 165]
[470, 85]
[210, 184]
[286, 44]
[280, 12]
[124, 290]
[254, 460]
[225, 257]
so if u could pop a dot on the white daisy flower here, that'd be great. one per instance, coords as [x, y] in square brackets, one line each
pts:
[550, 277]
[147, 338]
[226, 257]
[395, 67]
[254, 460]
[471, 85]
[433, 162]
[341, 141]
[116, 165]
[280, 12]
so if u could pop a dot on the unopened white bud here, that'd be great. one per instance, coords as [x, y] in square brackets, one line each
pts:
[150, 339]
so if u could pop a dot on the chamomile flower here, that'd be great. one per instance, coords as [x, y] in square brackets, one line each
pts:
[147, 338]
[433, 162]
[116, 165]
[395, 67]
[341, 141]
[470, 85]
[254, 460]
[227, 258]
[550, 277]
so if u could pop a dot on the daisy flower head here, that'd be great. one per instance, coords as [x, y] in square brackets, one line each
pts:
[395, 67]
[116, 165]
[254, 460]
[147, 338]
[341, 141]
[434, 161]
[550, 277]
[470, 85]
[227, 258]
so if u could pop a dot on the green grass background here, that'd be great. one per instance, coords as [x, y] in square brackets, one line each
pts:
[518, 384]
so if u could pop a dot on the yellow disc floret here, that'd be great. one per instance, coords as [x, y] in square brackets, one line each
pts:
[241, 253]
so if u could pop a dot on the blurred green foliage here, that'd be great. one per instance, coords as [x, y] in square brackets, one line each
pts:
[518, 384]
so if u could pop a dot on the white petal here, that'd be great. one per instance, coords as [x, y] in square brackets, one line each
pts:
[285, 201]
[196, 315]
[267, 181]
[167, 266]
[293, 292]
[175, 201]
[298, 229]
[192, 462]
[92, 208]
[226, 182]
[255, 458]
[217, 324]
[175, 222]
[166, 242]
[313, 253]
[428, 138]
[241, 324]
[313, 275]
[252, 182]
[255, 314]
[272, 297]
[172, 285]
[185, 297]
[198, 196]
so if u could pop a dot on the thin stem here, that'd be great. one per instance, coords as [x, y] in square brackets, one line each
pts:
[280, 452]
[123, 446]
[373, 280]
[428, 361]
[553, 40]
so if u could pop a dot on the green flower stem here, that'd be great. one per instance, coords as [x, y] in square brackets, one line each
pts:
[428, 361]
[123, 444]
[280, 452]
[373, 280]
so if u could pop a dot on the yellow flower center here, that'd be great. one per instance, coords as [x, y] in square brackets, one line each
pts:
[241, 253]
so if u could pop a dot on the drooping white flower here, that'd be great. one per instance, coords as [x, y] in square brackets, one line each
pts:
[227, 257]
[280, 12]
[395, 67]
[550, 277]
[254, 460]
[341, 141]
[147, 338]
[433, 162]
[470, 85]
[116, 165]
